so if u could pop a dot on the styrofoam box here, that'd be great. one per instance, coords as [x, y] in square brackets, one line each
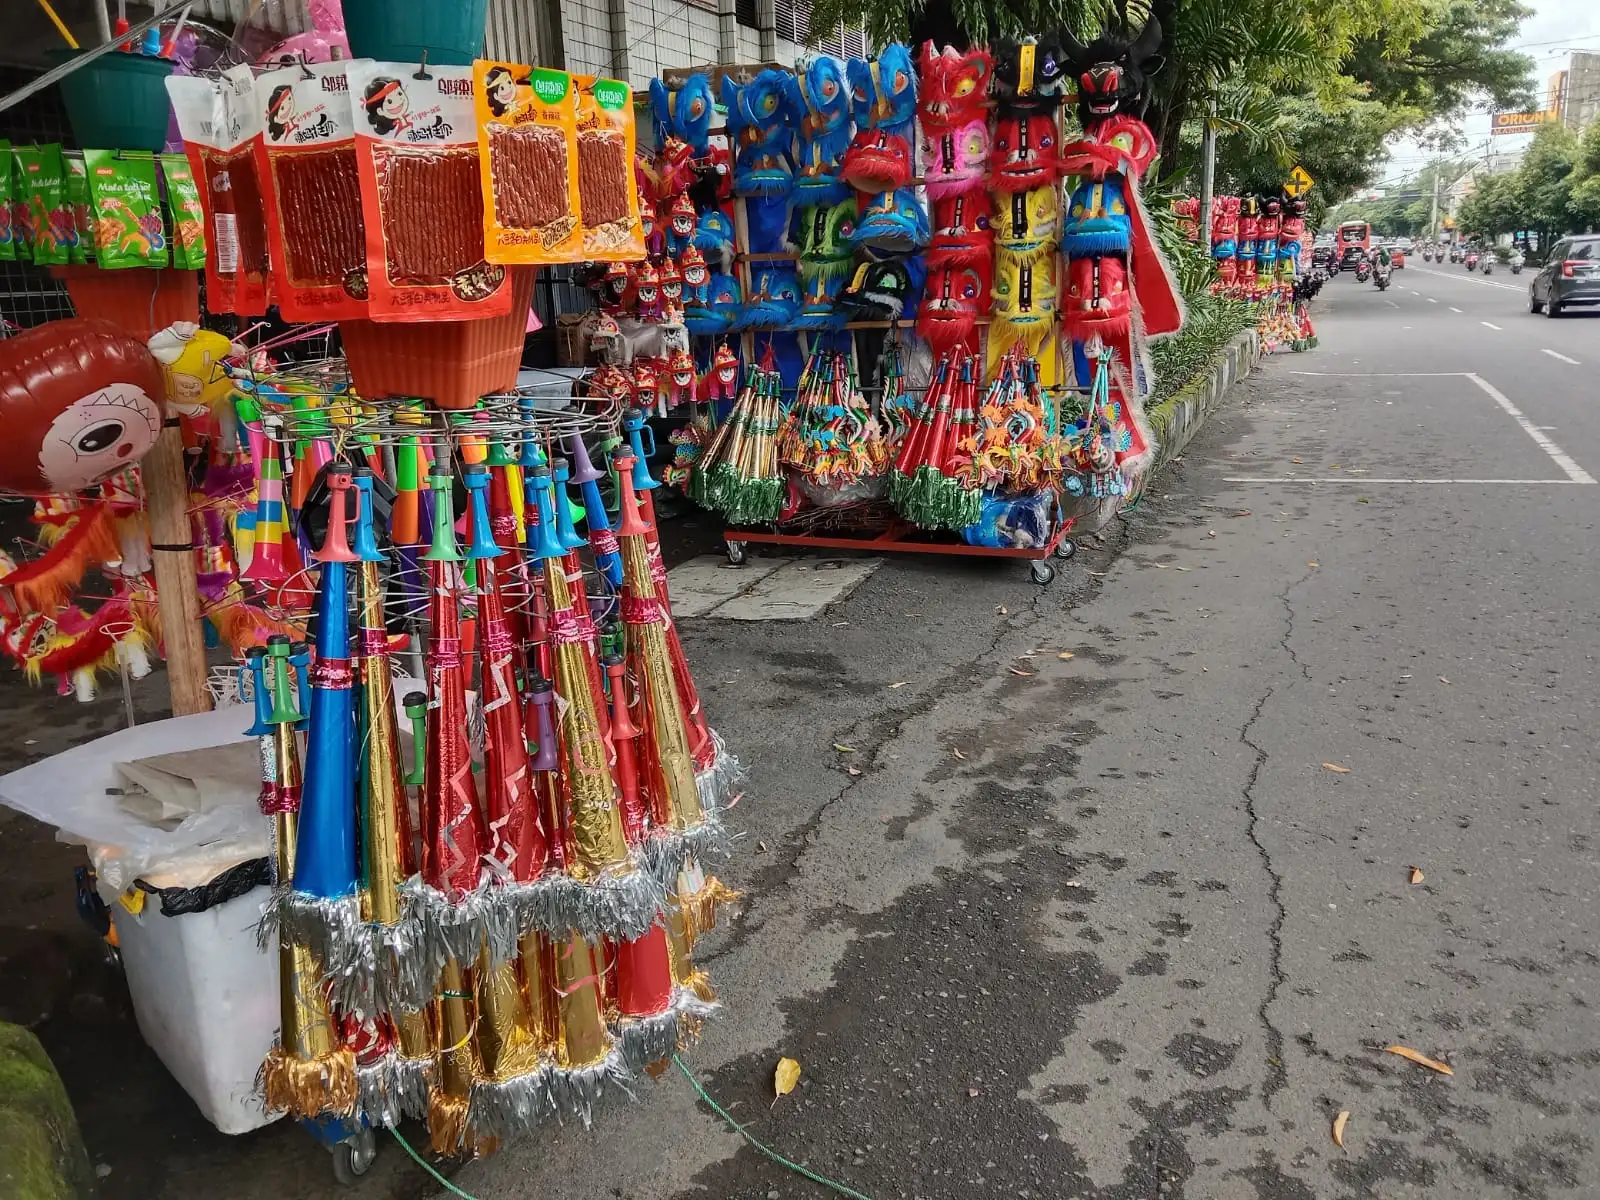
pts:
[206, 998]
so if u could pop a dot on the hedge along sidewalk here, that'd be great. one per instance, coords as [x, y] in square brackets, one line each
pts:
[1175, 421]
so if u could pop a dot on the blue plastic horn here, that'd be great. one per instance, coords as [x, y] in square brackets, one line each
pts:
[483, 546]
[325, 855]
[366, 538]
[633, 424]
[255, 665]
[601, 539]
[547, 546]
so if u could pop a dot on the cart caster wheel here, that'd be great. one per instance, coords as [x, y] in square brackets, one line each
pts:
[353, 1157]
[1066, 548]
[1041, 571]
[736, 553]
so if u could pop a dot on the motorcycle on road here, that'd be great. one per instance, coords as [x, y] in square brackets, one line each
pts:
[1471, 261]
[1487, 265]
[1380, 276]
[1517, 259]
[1363, 270]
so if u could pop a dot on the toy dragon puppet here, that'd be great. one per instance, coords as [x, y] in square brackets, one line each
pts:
[1118, 286]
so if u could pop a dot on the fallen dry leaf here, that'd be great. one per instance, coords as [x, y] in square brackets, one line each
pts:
[1336, 768]
[852, 770]
[1211, 533]
[1416, 875]
[1020, 671]
[1294, 460]
[785, 1077]
[842, 749]
[1312, 564]
[972, 1093]
[1064, 655]
[1338, 1129]
[1182, 568]
[1422, 1060]
[958, 754]
[761, 847]
[1159, 566]
[1442, 679]
[901, 684]
[1001, 610]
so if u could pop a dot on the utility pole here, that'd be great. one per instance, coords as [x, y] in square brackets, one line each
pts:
[1433, 213]
[1208, 173]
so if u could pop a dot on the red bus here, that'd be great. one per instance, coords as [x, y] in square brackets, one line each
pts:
[1355, 239]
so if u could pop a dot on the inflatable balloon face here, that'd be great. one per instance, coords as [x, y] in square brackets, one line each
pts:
[80, 400]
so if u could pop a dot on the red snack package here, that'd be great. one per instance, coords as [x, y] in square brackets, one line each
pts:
[311, 188]
[221, 129]
[421, 196]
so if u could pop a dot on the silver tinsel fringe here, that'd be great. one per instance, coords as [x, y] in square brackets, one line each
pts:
[396, 969]
[505, 1109]
[458, 927]
[721, 783]
[576, 1090]
[332, 930]
[646, 1040]
[621, 904]
[394, 1088]
[668, 850]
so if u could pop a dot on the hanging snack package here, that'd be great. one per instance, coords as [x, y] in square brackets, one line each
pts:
[312, 193]
[8, 245]
[42, 186]
[608, 200]
[221, 129]
[125, 209]
[421, 197]
[81, 250]
[527, 134]
[188, 215]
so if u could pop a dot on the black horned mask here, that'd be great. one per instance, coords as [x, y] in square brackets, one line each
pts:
[1114, 70]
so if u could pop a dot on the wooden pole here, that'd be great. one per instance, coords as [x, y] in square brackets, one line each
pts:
[166, 491]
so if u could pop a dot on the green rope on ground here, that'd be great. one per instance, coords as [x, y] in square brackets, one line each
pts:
[428, 1167]
[839, 1188]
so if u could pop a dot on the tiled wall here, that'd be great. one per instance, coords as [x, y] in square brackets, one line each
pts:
[661, 34]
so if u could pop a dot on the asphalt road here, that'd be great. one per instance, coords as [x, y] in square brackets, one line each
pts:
[1119, 904]
[1102, 890]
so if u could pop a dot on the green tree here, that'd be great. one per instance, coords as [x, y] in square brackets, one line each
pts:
[1497, 205]
[1460, 57]
[1585, 197]
[1545, 181]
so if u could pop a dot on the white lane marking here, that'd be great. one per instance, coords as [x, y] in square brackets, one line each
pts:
[1557, 455]
[1558, 354]
[1491, 325]
[1454, 309]
[1385, 374]
[1414, 292]
[1391, 304]
[1494, 283]
[1433, 300]
[1366, 480]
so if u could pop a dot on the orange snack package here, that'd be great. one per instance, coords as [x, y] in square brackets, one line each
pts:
[608, 200]
[527, 135]
[421, 196]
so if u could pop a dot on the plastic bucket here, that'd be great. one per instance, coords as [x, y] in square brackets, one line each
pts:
[117, 102]
[451, 31]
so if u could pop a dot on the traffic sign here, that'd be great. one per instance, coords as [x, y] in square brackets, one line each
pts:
[1300, 182]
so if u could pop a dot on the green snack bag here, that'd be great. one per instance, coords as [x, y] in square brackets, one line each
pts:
[21, 213]
[80, 248]
[42, 183]
[126, 210]
[188, 217]
[8, 247]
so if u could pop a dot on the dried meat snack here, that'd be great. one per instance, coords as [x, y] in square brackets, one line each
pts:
[417, 150]
[608, 200]
[221, 129]
[312, 193]
[526, 119]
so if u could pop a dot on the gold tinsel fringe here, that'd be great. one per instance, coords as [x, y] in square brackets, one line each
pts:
[448, 1130]
[308, 1087]
[699, 983]
[700, 909]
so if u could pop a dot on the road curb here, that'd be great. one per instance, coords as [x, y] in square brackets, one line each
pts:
[1174, 422]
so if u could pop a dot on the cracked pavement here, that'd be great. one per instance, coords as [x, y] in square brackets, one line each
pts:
[1095, 920]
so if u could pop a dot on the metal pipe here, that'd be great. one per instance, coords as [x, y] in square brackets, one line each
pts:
[1208, 174]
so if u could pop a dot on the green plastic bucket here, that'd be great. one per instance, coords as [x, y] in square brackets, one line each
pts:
[117, 102]
[450, 31]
